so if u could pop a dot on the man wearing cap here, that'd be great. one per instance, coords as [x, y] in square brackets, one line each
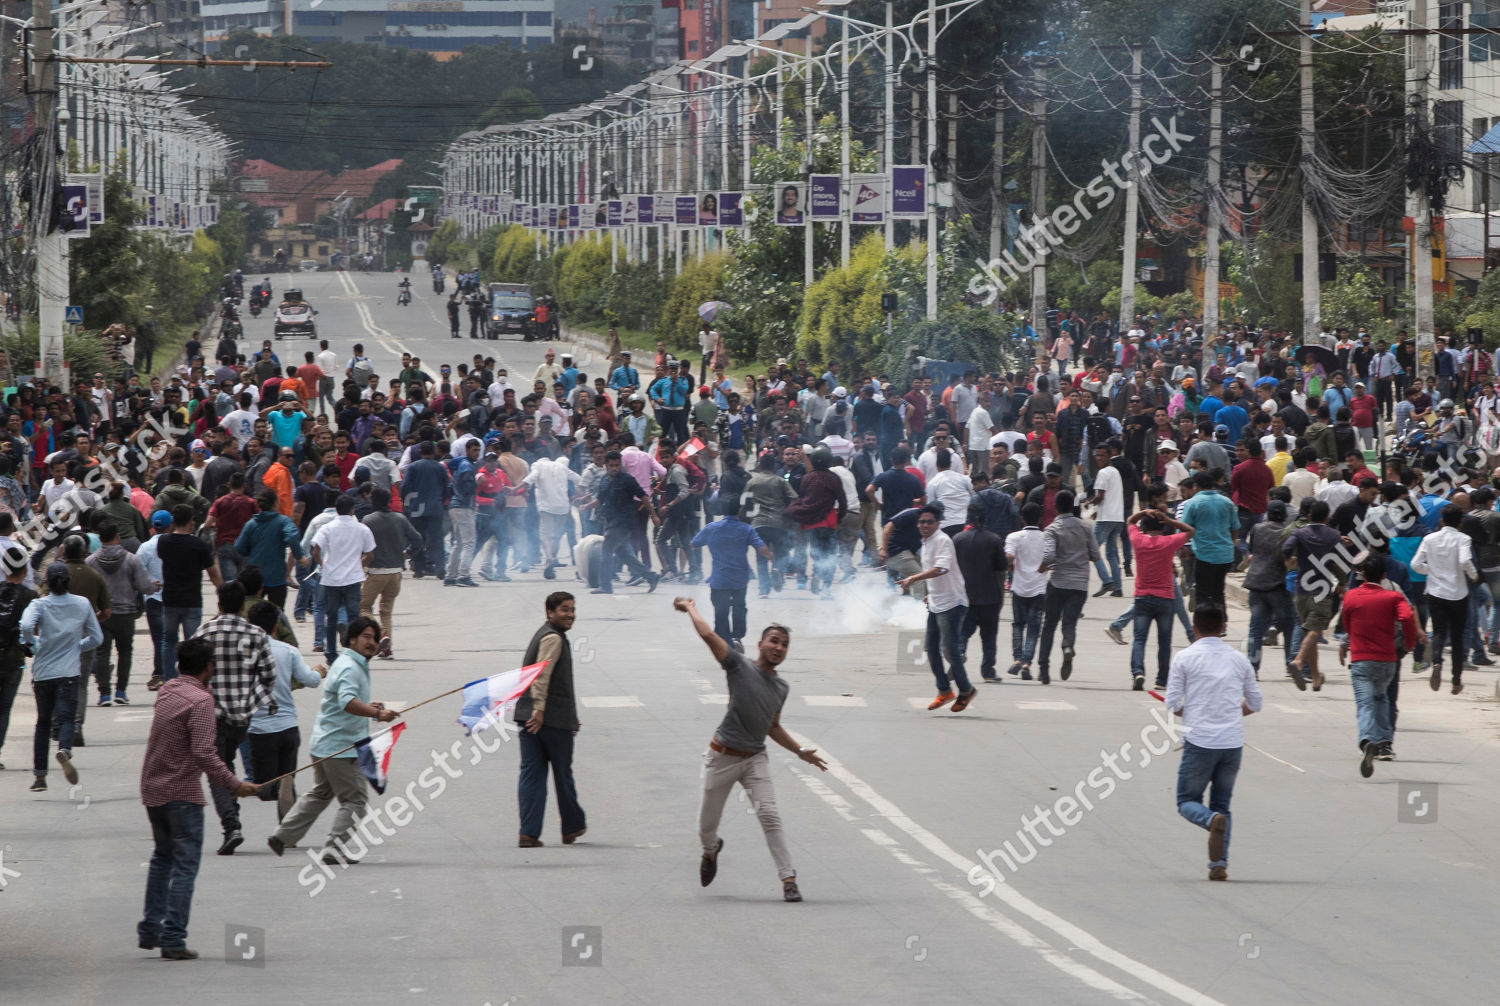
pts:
[625, 378]
[1213, 453]
[59, 626]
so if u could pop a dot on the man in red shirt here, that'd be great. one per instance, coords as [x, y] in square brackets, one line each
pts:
[226, 519]
[1156, 538]
[1371, 614]
[1249, 483]
[343, 458]
[179, 750]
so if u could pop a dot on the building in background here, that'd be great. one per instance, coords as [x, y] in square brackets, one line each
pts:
[441, 27]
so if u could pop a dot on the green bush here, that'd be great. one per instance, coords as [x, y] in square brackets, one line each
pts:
[699, 281]
[582, 277]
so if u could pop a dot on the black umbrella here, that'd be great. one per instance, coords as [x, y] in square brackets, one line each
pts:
[1318, 354]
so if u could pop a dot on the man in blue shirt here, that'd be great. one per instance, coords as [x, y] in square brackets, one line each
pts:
[342, 722]
[285, 419]
[727, 539]
[670, 394]
[569, 376]
[59, 626]
[1214, 519]
[625, 377]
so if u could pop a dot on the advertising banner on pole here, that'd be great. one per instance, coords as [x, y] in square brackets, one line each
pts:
[686, 210]
[708, 209]
[826, 197]
[908, 191]
[628, 209]
[731, 213]
[615, 212]
[867, 199]
[791, 204]
[75, 210]
[664, 204]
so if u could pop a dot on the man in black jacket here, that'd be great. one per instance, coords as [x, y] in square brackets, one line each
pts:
[548, 713]
[866, 464]
[981, 560]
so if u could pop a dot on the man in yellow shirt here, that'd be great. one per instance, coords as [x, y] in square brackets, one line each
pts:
[1279, 461]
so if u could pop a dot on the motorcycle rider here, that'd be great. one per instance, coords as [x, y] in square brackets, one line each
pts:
[404, 291]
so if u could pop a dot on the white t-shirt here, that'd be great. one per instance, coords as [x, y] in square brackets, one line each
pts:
[851, 492]
[953, 491]
[497, 393]
[240, 424]
[1013, 440]
[328, 362]
[947, 590]
[981, 425]
[551, 479]
[1111, 491]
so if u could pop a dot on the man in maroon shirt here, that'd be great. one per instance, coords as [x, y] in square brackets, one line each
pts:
[226, 519]
[1371, 614]
[1249, 483]
[180, 749]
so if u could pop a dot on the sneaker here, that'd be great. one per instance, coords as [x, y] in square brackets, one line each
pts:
[153, 684]
[994, 679]
[105, 701]
[1128, 570]
[1016, 667]
[1105, 589]
[528, 842]
[1436, 678]
[39, 784]
[572, 837]
[70, 773]
[1367, 759]
[1067, 664]
[1218, 826]
[1458, 686]
[962, 702]
[708, 868]
[1273, 638]
[449, 582]
[1117, 592]
[1385, 752]
[178, 954]
[1138, 683]
[232, 841]
[942, 700]
[385, 647]
[1025, 673]
[1218, 873]
[1115, 634]
[78, 738]
[465, 581]
[276, 844]
[652, 580]
[121, 699]
[333, 857]
[789, 890]
[549, 573]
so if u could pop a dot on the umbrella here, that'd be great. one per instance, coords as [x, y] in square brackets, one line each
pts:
[1317, 354]
[708, 309]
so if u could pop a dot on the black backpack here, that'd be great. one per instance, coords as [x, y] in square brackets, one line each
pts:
[1099, 430]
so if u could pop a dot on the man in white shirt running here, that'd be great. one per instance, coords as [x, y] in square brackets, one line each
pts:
[947, 602]
[1212, 687]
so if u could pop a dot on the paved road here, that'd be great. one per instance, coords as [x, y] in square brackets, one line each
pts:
[1340, 892]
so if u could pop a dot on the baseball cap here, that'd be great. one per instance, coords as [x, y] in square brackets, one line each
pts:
[1166, 445]
[841, 392]
[161, 519]
[1221, 432]
[703, 389]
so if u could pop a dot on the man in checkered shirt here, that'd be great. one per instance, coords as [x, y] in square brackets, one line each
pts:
[244, 673]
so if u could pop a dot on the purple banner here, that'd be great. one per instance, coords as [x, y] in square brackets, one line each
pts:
[572, 216]
[685, 211]
[552, 218]
[645, 209]
[616, 212]
[909, 191]
[825, 197]
[730, 212]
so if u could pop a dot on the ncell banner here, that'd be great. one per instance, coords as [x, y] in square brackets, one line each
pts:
[908, 191]
[825, 198]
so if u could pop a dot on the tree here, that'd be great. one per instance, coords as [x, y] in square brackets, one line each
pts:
[699, 281]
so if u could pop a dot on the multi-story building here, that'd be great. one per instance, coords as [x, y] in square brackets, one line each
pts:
[442, 27]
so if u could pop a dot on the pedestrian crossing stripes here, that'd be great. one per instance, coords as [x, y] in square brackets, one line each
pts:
[834, 700]
[611, 702]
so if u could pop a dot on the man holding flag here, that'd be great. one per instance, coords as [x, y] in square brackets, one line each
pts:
[343, 722]
[548, 713]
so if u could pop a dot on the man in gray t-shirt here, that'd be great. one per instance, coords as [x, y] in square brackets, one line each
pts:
[737, 754]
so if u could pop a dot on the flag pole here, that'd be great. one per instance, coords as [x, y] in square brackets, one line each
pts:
[351, 747]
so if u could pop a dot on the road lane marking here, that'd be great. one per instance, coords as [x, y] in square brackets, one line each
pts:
[834, 700]
[714, 700]
[1076, 938]
[611, 702]
[1045, 704]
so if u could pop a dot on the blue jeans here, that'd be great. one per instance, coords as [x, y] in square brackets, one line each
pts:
[1370, 679]
[177, 829]
[1025, 625]
[1108, 534]
[230, 561]
[1200, 768]
[1179, 606]
[945, 638]
[55, 698]
[1247, 521]
[985, 619]
[767, 570]
[1270, 609]
[1147, 610]
[549, 746]
[153, 626]
[338, 601]
[173, 619]
[1479, 597]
